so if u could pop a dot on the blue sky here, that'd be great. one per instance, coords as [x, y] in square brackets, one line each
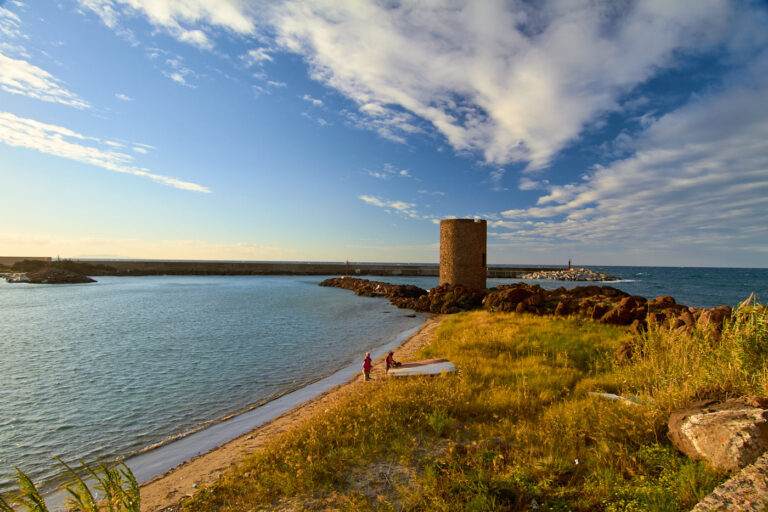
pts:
[609, 133]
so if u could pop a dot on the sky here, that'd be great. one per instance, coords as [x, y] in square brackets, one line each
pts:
[604, 132]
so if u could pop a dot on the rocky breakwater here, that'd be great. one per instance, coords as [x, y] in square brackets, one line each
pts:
[572, 274]
[53, 275]
[603, 304]
[443, 299]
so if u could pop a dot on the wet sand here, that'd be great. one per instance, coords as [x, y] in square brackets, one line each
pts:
[167, 490]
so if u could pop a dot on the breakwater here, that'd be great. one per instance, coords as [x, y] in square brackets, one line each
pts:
[233, 268]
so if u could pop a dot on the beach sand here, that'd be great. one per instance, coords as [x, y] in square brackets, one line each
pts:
[166, 491]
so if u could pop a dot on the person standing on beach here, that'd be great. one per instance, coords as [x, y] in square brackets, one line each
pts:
[367, 366]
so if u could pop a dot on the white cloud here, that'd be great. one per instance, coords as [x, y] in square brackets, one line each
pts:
[399, 207]
[195, 38]
[65, 143]
[10, 24]
[697, 181]
[388, 171]
[20, 77]
[314, 101]
[256, 57]
[178, 72]
[513, 80]
[272, 83]
[123, 97]
[529, 184]
[182, 19]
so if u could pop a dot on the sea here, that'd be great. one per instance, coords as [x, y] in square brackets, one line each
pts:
[134, 365]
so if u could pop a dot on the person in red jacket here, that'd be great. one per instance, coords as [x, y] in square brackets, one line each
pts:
[390, 361]
[367, 366]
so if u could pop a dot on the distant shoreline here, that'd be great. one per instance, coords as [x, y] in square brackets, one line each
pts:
[233, 268]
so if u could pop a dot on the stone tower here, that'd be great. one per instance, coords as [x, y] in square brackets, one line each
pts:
[462, 253]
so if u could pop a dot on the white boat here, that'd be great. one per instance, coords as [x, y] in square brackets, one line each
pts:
[425, 367]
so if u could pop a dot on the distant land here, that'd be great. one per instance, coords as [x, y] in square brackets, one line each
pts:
[237, 268]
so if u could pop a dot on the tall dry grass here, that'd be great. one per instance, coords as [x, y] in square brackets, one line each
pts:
[515, 429]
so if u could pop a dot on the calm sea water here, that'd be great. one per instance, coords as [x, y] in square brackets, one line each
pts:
[91, 372]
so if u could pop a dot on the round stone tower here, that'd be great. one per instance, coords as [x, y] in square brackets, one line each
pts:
[462, 253]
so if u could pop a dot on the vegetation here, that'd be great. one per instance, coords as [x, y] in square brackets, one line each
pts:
[516, 428]
[116, 490]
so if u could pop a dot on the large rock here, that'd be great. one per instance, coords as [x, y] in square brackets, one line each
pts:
[714, 318]
[745, 492]
[617, 316]
[507, 298]
[729, 435]
[663, 302]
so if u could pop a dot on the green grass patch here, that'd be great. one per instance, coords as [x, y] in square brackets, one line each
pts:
[514, 427]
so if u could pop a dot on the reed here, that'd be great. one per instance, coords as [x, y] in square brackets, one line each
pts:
[114, 489]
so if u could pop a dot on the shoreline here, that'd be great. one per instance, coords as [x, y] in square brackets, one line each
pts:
[170, 486]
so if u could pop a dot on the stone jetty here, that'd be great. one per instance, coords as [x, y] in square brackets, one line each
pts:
[571, 274]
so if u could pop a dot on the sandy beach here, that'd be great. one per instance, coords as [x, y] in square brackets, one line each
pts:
[166, 491]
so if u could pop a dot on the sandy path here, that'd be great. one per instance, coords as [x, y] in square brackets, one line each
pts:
[165, 491]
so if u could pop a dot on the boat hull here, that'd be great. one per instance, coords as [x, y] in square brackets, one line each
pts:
[425, 367]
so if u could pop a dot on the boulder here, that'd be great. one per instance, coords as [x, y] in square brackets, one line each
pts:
[625, 352]
[729, 435]
[660, 303]
[632, 302]
[598, 311]
[534, 300]
[714, 318]
[617, 316]
[638, 326]
[562, 309]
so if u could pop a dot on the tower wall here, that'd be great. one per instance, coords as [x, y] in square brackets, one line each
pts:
[463, 253]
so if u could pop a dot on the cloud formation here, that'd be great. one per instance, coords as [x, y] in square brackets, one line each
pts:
[314, 101]
[389, 171]
[186, 20]
[698, 177]
[514, 81]
[65, 143]
[399, 207]
[20, 77]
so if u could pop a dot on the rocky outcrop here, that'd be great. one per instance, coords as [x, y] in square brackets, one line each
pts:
[441, 299]
[603, 304]
[571, 274]
[747, 491]
[729, 435]
[367, 288]
[53, 275]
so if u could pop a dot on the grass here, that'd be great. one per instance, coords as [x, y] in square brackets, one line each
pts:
[515, 428]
